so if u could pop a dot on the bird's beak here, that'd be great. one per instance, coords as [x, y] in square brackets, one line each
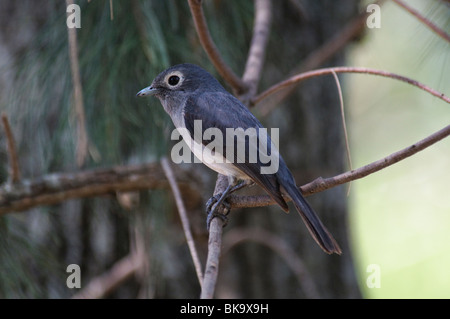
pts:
[148, 91]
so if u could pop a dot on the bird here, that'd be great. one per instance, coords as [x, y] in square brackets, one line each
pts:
[190, 95]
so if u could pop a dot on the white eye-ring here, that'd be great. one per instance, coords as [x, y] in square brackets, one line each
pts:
[174, 79]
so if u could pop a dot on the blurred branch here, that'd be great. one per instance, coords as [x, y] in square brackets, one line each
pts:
[55, 188]
[82, 138]
[276, 243]
[14, 171]
[424, 20]
[139, 18]
[104, 284]
[320, 184]
[111, 10]
[183, 216]
[322, 54]
[306, 75]
[257, 51]
[210, 48]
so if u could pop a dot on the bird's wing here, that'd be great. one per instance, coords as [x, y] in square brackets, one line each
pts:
[221, 110]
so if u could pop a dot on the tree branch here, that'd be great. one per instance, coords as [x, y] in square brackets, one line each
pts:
[183, 216]
[257, 51]
[424, 20]
[306, 75]
[214, 245]
[14, 171]
[320, 184]
[211, 50]
[55, 188]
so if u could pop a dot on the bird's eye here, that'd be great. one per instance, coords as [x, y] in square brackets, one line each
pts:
[173, 80]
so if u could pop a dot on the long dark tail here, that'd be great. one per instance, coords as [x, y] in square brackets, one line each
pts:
[317, 230]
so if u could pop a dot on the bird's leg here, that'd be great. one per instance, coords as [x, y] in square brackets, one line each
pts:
[219, 199]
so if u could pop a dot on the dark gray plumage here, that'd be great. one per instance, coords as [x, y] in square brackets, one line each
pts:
[189, 93]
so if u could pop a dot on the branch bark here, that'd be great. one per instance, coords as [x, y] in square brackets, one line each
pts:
[320, 184]
[55, 188]
[214, 246]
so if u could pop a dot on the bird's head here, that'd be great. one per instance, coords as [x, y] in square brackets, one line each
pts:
[181, 79]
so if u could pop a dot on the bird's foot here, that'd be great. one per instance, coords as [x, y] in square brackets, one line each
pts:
[211, 210]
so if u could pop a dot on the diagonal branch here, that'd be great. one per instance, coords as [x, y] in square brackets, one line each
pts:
[210, 48]
[321, 184]
[444, 35]
[101, 286]
[183, 216]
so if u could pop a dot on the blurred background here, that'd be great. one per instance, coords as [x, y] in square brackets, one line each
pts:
[400, 216]
[395, 221]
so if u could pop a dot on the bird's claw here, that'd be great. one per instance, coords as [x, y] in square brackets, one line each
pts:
[211, 210]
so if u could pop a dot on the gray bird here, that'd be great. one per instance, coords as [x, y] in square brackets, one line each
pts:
[188, 93]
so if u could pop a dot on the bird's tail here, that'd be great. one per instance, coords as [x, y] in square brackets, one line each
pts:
[317, 230]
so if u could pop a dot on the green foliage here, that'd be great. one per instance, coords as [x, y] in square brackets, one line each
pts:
[117, 58]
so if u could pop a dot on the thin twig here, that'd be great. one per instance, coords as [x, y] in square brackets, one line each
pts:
[14, 171]
[211, 50]
[257, 52]
[424, 20]
[306, 75]
[111, 10]
[276, 243]
[82, 138]
[320, 184]
[344, 125]
[183, 216]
